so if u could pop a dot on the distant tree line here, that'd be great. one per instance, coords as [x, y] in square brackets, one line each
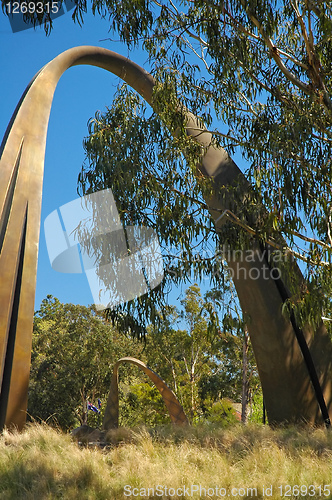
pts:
[206, 365]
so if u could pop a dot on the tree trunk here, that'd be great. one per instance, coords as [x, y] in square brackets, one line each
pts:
[245, 381]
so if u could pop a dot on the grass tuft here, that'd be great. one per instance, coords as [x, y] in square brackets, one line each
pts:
[42, 463]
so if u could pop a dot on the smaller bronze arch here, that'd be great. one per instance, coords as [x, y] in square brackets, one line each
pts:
[111, 417]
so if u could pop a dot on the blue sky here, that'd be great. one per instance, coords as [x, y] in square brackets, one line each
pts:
[81, 91]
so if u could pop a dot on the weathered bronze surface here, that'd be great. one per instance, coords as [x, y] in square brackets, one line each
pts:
[111, 417]
[287, 386]
[21, 175]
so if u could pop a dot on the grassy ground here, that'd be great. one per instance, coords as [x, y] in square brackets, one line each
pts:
[242, 462]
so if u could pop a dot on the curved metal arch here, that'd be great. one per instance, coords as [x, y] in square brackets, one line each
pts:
[287, 386]
[111, 417]
[21, 169]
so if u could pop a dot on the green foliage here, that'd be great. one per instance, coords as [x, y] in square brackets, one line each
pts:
[74, 350]
[259, 74]
[142, 404]
[222, 412]
[184, 357]
[202, 364]
[257, 409]
[131, 152]
[72, 355]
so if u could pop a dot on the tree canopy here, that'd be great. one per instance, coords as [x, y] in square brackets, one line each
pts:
[259, 74]
[74, 351]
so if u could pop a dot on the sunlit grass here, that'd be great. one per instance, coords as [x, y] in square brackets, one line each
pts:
[42, 463]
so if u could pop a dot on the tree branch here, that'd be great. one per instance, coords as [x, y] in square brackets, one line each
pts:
[275, 53]
[271, 241]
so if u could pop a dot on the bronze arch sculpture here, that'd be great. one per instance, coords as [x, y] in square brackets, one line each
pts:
[295, 367]
[111, 417]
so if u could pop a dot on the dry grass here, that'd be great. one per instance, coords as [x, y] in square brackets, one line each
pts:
[42, 463]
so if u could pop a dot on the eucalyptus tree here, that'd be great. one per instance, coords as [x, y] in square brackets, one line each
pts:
[130, 150]
[259, 74]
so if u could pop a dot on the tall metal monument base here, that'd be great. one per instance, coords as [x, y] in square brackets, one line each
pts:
[290, 391]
